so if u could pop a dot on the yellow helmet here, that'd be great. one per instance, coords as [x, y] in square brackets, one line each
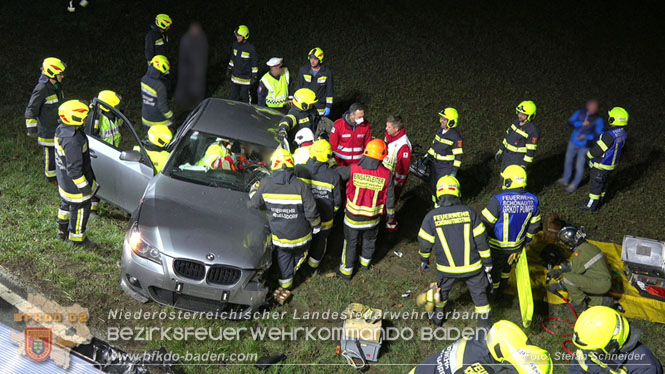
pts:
[281, 158]
[73, 112]
[514, 177]
[316, 53]
[531, 360]
[304, 99]
[243, 31]
[321, 150]
[618, 116]
[163, 21]
[160, 135]
[447, 185]
[214, 156]
[451, 115]
[109, 97]
[161, 63]
[528, 108]
[505, 337]
[53, 66]
[600, 327]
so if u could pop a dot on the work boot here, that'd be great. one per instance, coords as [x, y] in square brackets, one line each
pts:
[579, 308]
[571, 188]
[561, 181]
[52, 180]
[364, 268]
[437, 317]
[485, 321]
[86, 243]
[62, 235]
[343, 276]
[63, 230]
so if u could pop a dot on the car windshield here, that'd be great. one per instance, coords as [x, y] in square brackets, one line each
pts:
[218, 161]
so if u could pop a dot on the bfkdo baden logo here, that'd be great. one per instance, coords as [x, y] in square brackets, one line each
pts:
[38, 343]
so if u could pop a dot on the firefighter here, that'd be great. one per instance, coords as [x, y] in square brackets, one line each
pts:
[350, 135]
[217, 156]
[302, 115]
[446, 151]
[293, 216]
[275, 87]
[521, 140]
[156, 109]
[319, 78]
[513, 218]
[399, 153]
[41, 114]
[587, 276]
[243, 68]
[607, 343]
[159, 137]
[369, 192]
[107, 125]
[604, 156]
[502, 349]
[459, 240]
[304, 139]
[325, 184]
[76, 180]
[157, 39]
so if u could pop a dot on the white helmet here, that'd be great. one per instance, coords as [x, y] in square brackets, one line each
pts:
[304, 135]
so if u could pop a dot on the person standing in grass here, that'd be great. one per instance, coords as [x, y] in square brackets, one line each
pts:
[192, 69]
[156, 109]
[446, 151]
[521, 139]
[319, 78]
[587, 126]
[157, 38]
[398, 159]
[243, 68]
[350, 135]
[275, 87]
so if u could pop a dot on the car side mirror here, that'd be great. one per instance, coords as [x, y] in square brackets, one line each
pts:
[131, 156]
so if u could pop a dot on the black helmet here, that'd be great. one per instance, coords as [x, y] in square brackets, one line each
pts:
[572, 236]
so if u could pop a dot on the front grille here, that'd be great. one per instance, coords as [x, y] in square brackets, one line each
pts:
[223, 275]
[189, 269]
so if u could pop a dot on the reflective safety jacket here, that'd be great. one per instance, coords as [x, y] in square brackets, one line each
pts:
[447, 151]
[291, 207]
[243, 63]
[591, 261]
[606, 152]
[156, 43]
[458, 238]
[76, 180]
[348, 140]
[155, 109]
[522, 140]
[369, 189]
[41, 114]
[399, 156]
[513, 218]
[325, 184]
[158, 156]
[296, 119]
[107, 126]
[320, 82]
[274, 92]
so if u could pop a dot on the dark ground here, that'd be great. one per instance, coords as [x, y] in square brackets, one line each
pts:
[408, 57]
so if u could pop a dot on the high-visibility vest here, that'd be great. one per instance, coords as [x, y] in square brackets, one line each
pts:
[278, 90]
[109, 130]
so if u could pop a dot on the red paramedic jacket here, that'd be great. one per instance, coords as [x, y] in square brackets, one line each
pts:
[348, 140]
[368, 191]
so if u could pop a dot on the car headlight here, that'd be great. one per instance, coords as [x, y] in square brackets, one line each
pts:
[140, 247]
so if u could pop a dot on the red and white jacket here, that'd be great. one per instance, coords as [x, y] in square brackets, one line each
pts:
[399, 157]
[348, 141]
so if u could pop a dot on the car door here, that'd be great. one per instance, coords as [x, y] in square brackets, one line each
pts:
[122, 180]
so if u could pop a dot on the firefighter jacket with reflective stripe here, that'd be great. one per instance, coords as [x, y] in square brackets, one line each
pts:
[296, 119]
[156, 43]
[513, 218]
[155, 109]
[447, 151]
[243, 63]
[458, 238]
[522, 139]
[274, 92]
[591, 261]
[369, 189]
[107, 127]
[158, 156]
[325, 184]
[320, 82]
[291, 208]
[606, 152]
[348, 140]
[41, 114]
[76, 180]
[399, 156]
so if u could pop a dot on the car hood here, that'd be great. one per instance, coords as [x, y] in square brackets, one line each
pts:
[187, 220]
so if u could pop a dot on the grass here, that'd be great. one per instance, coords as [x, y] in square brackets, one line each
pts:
[396, 56]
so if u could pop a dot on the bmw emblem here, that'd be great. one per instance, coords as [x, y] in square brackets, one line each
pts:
[210, 256]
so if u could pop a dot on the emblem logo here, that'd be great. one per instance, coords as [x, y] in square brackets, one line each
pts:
[210, 256]
[38, 343]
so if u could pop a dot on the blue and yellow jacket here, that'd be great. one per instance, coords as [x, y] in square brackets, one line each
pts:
[606, 152]
[513, 218]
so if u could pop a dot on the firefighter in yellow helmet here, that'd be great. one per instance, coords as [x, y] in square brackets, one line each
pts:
[301, 115]
[76, 180]
[607, 343]
[318, 77]
[446, 152]
[457, 236]
[156, 109]
[293, 216]
[159, 137]
[521, 139]
[107, 125]
[41, 114]
[243, 66]
[157, 38]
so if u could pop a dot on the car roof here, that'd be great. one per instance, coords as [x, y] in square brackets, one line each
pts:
[236, 120]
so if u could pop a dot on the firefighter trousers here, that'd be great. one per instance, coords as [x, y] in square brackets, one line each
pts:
[318, 248]
[598, 180]
[240, 92]
[477, 285]
[580, 286]
[512, 158]
[503, 261]
[73, 218]
[352, 237]
[289, 261]
[49, 162]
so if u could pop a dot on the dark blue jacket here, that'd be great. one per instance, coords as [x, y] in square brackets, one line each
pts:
[591, 133]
